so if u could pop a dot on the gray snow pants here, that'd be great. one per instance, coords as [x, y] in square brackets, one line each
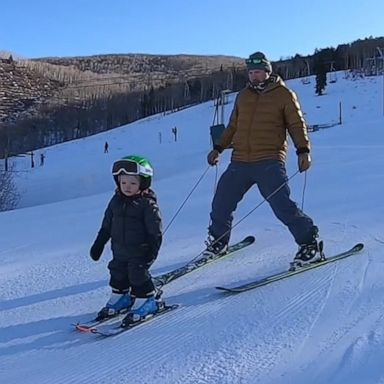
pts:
[269, 175]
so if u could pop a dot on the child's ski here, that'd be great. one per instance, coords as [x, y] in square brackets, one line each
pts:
[107, 330]
[167, 277]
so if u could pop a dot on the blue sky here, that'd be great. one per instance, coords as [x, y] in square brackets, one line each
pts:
[39, 28]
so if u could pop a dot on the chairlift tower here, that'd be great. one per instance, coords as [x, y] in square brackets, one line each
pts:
[332, 74]
[218, 125]
[307, 80]
[380, 60]
[374, 66]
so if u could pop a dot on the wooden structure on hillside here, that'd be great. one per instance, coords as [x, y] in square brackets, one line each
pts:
[374, 66]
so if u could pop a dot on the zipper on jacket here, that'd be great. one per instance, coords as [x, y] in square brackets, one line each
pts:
[124, 221]
[250, 127]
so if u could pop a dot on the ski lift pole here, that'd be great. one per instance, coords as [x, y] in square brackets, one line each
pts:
[222, 107]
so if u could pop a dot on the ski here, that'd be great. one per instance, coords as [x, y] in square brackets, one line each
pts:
[94, 322]
[104, 320]
[88, 325]
[285, 274]
[166, 278]
[193, 265]
[107, 330]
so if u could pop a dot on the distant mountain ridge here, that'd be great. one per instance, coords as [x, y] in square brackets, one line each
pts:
[25, 84]
[49, 100]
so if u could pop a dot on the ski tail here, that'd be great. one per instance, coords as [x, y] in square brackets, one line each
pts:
[166, 278]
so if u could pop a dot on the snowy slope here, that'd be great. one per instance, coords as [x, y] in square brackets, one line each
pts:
[322, 326]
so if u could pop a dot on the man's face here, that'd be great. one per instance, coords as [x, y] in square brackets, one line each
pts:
[257, 76]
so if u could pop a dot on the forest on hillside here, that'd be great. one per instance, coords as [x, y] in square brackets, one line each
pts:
[51, 100]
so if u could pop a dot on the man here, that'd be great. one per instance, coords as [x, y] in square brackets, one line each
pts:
[264, 112]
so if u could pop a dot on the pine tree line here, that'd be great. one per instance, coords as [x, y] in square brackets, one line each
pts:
[90, 107]
[74, 120]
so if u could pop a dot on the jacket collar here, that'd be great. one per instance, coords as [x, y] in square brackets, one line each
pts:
[272, 82]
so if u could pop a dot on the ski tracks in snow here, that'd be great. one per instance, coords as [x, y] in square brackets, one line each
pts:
[254, 337]
[254, 345]
[339, 350]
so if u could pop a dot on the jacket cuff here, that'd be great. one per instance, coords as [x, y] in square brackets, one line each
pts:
[302, 150]
[218, 148]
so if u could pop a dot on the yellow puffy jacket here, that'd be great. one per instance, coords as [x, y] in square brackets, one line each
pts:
[260, 121]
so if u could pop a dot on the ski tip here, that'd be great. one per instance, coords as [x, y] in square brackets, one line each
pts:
[358, 247]
[85, 328]
[250, 239]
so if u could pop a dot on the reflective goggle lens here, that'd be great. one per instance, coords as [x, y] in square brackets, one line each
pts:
[253, 61]
[125, 167]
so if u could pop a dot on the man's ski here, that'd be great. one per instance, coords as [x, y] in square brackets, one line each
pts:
[107, 330]
[193, 265]
[283, 275]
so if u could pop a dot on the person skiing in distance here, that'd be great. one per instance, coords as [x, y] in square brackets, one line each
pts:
[133, 222]
[265, 111]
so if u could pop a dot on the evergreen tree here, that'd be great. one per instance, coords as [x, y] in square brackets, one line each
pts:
[321, 80]
[320, 70]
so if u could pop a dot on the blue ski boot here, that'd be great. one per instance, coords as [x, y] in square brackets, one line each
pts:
[117, 303]
[143, 308]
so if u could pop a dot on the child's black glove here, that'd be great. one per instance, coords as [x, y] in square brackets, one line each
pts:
[96, 251]
[98, 246]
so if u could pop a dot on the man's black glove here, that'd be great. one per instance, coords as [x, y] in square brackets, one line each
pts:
[304, 161]
[98, 246]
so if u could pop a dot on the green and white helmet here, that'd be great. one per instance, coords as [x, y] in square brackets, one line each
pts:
[134, 165]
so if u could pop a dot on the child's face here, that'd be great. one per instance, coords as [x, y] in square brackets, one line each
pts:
[129, 184]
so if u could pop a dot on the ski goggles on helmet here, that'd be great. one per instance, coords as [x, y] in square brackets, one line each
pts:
[254, 61]
[128, 167]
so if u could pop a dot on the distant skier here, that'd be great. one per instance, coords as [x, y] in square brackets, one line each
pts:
[133, 223]
[174, 131]
[42, 158]
[264, 113]
[106, 147]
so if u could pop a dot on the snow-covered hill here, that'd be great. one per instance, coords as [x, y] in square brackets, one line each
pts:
[322, 326]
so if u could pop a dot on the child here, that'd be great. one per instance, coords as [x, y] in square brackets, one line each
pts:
[132, 221]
